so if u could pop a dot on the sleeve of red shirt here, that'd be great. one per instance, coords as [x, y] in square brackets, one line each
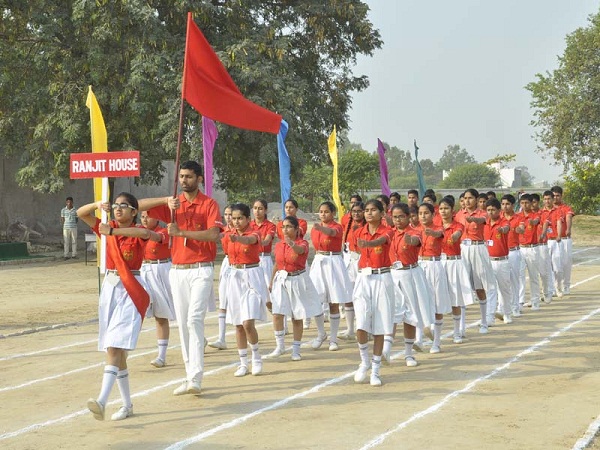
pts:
[162, 213]
[213, 215]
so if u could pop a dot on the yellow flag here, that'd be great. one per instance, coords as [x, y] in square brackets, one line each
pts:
[99, 145]
[333, 154]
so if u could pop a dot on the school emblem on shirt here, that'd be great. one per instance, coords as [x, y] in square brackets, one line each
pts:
[326, 241]
[128, 255]
[378, 250]
[498, 235]
[245, 249]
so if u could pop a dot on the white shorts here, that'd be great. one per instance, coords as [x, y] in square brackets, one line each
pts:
[295, 297]
[374, 301]
[247, 295]
[413, 286]
[118, 319]
[330, 277]
[156, 277]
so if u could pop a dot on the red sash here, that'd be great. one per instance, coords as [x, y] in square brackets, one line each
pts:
[136, 292]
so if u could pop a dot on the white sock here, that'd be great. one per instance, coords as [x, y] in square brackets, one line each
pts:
[162, 349]
[437, 332]
[222, 316]
[243, 352]
[296, 347]
[320, 321]
[387, 344]
[408, 347]
[123, 383]
[280, 339]
[419, 334]
[255, 354]
[376, 365]
[334, 326]
[350, 319]
[483, 309]
[463, 318]
[456, 319]
[108, 379]
[364, 354]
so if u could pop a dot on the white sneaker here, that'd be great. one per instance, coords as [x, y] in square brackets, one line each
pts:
[219, 345]
[410, 361]
[257, 366]
[517, 314]
[296, 357]
[375, 380]
[306, 325]
[277, 352]
[483, 329]
[193, 387]
[333, 347]
[96, 408]
[360, 376]
[463, 333]
[157, 362]
[347, 336]
[491, 321]
[123, 413]
[457, 339]
[418, 346]
[507, 319]
[241, 371]
[535, 307]
[181, 389]
[435, 349]
[318, 341]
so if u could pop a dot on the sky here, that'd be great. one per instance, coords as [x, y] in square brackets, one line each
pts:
[453, 72]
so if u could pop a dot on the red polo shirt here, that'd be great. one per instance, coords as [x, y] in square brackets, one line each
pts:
[565, 211]
[374, 257]
[498, 241]
[243, 253]
[513, 236]
[473, 231]
[302, 228]
[323, 243]
[530, 236]
[200, 214]
[552, 217]
[448, 247]
[400, 250]
[158, 250]
[431, 245]
[266, 228]
[131, 248]
[350, 237]
[287, 259]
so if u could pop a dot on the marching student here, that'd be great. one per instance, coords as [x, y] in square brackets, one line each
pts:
[123, 298]
[459, 284]
[517, 265]
[220, 343]
[395, 198]
[246, 292]
[409, 277]
[495, 233]
[267, 231]
[291, 209]
[430, 259]
[328, 273]
[528, 241]
[412, 198]
[473, 252]
[414, 216]
[556, 224]
[155, 273]
[481, 199]
[385, 200]
[374, 296]
[566, 242]
[292, 291]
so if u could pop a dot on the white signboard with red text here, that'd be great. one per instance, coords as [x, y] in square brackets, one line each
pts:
[103, 165]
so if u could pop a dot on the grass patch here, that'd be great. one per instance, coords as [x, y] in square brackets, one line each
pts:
[586, 230]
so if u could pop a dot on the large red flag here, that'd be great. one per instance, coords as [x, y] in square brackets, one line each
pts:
[210, 90]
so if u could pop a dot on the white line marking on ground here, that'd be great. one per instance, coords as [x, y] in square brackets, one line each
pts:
[583, 250]
[589, 435]
[586, 261]
[382, 437]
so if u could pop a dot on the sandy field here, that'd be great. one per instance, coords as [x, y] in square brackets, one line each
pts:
[532, 384]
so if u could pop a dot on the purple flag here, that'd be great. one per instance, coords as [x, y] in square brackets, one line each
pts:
[209, 137]
[385, 188]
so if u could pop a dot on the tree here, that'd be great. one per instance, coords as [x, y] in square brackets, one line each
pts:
[315, 184]
[526, 178]
[582, 188]
[292, 57]
[454, 156]
[565, 102]
[501, 160]
[358, 172]
[471, 175]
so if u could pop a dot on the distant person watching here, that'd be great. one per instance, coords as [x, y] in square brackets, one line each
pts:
[68, 218]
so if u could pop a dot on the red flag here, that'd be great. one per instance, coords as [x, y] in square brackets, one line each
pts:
[210, 90]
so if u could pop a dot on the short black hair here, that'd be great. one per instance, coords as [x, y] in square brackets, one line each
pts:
[493, 202]
[194, 166]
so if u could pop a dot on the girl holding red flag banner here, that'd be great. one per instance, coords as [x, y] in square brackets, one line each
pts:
[123, 298]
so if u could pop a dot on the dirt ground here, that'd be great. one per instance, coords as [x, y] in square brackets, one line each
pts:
[531, 384]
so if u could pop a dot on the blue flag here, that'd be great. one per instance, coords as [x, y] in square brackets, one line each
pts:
[420, 179]
[285, 179]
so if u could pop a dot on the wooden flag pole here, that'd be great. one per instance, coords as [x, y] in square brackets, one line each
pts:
[177, 159]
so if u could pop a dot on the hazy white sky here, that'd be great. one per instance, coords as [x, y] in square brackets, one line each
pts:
[453, 72]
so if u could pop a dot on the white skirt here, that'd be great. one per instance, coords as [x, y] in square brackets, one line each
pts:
[223, 273]
[477, 262]
[459, 283]
[156, 277]
[246, 294]
[118, 319]
[266, 262]
[413, 286]
[374, 299]
[351, 263]
[438, 284]
[295, 296]
[328, 274]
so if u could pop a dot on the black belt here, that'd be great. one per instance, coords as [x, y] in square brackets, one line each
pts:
[453, 257]
[296, 273]
[498, 258]
[512, 249]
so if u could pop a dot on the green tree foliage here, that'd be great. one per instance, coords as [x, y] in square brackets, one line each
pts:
[565, 102]
[452, 157]
[292, 57]
[582, 188]
[471, 175]
[358, 172]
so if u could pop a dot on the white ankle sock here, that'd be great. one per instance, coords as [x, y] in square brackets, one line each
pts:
[296, 347]
[334, 326]
[108, 380]
[350, 319]
[376, 365]
[162, 349]
[437, 332]
[463, 317]
[123, 383]
[387, 343]
[280, 339]
[222, 316]
[243, 353]
[483, 309]
[320, 321]
[456, 321]
[408, 347]
[255, 354]
[364, 353]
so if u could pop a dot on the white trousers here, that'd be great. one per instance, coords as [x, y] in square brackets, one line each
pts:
[504, 287]
[555, 249]
[530, 256]
[518, 290]
[545, 270]
[567, 260]
[192, 291]
[70, 240]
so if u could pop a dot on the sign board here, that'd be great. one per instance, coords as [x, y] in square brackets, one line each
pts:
[101, 165]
